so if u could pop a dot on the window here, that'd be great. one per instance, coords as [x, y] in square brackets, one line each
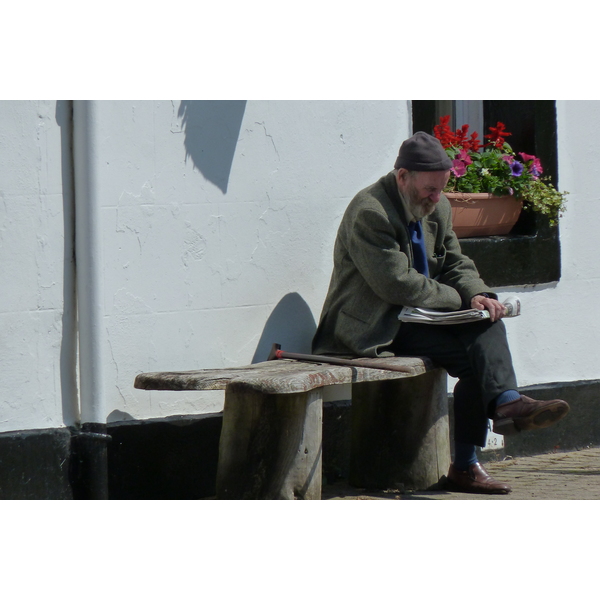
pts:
[531, 252]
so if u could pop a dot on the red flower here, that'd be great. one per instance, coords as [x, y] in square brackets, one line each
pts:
[474, 142]
[461, 135]
[458, 139]
[497, 135]
[443, 132]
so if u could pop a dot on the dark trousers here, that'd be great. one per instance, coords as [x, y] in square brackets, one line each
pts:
[475, 353]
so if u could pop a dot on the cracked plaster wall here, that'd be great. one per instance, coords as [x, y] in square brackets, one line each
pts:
[34, 391]
[206, 264]
[217, 228]
[557, 339]
[198, 263]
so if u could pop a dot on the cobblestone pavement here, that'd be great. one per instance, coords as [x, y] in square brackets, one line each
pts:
[557, 476]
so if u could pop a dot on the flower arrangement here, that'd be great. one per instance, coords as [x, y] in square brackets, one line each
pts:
[494, 168]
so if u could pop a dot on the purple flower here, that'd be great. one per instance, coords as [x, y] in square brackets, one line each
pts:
[516, 168]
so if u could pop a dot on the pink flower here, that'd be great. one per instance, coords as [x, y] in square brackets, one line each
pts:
[536, 168]
[533, 163]
[508, 158]
[464, 156]
[459, 168]
[527, 157]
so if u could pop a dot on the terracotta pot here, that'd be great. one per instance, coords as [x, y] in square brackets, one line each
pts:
[475, 215]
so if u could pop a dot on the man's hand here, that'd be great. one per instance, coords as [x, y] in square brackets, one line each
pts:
[496, 309]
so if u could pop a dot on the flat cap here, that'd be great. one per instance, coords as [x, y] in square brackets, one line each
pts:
[422, 152]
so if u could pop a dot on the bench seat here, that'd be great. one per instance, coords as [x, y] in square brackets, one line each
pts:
[280, 376]
[271, 440]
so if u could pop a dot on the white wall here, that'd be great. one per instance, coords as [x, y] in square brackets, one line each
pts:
[556, 338]
[35, 278]
[218, 221]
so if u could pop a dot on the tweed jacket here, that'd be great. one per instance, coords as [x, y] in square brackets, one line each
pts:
[373, 277]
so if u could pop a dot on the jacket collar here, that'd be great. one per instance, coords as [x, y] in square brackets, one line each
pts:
[391, 188]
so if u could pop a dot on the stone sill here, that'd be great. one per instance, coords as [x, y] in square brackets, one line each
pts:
[529, 256]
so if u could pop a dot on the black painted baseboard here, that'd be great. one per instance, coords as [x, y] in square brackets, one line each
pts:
[35, 465]
[579, 429]
[164, 459]
[176, 457]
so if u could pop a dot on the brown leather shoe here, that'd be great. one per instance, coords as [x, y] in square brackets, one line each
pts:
[475, 481]
[526, 413]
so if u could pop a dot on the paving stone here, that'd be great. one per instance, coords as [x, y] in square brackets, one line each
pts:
[557, 476]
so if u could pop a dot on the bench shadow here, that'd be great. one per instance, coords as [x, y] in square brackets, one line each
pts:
[291, 324]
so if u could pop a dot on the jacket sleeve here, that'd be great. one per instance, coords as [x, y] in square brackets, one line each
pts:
[458, 270]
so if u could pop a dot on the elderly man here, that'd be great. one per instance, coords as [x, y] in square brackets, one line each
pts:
[395, 247]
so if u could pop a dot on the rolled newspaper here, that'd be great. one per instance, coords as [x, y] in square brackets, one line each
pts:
[435, 317]
[513, 306]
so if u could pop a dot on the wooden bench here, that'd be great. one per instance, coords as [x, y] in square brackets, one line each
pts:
[271, 440]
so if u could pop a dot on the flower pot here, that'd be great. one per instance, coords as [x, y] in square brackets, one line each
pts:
[476, 215]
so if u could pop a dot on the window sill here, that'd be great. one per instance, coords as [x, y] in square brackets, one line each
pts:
[519, 258]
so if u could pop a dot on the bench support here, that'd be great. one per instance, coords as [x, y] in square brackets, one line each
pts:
[400, 433]
[270, 445]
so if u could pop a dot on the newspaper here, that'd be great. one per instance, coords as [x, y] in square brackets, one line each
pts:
[436, 317]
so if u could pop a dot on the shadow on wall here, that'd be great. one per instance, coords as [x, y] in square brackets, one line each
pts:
[68, 346]
[212, 129]
[291, 324]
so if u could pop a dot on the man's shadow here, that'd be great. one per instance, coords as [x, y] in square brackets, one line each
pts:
[291, 324]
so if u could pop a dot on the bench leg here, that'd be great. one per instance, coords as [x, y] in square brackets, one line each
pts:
[270, 446]
[400, 433]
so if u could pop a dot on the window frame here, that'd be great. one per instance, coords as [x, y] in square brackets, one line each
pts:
[530, 254]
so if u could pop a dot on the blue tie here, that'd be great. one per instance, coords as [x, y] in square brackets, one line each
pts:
[418, 245]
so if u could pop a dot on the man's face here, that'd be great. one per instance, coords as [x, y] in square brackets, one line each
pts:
[422, 189]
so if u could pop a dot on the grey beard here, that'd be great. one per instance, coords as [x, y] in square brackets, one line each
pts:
[419, 210]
